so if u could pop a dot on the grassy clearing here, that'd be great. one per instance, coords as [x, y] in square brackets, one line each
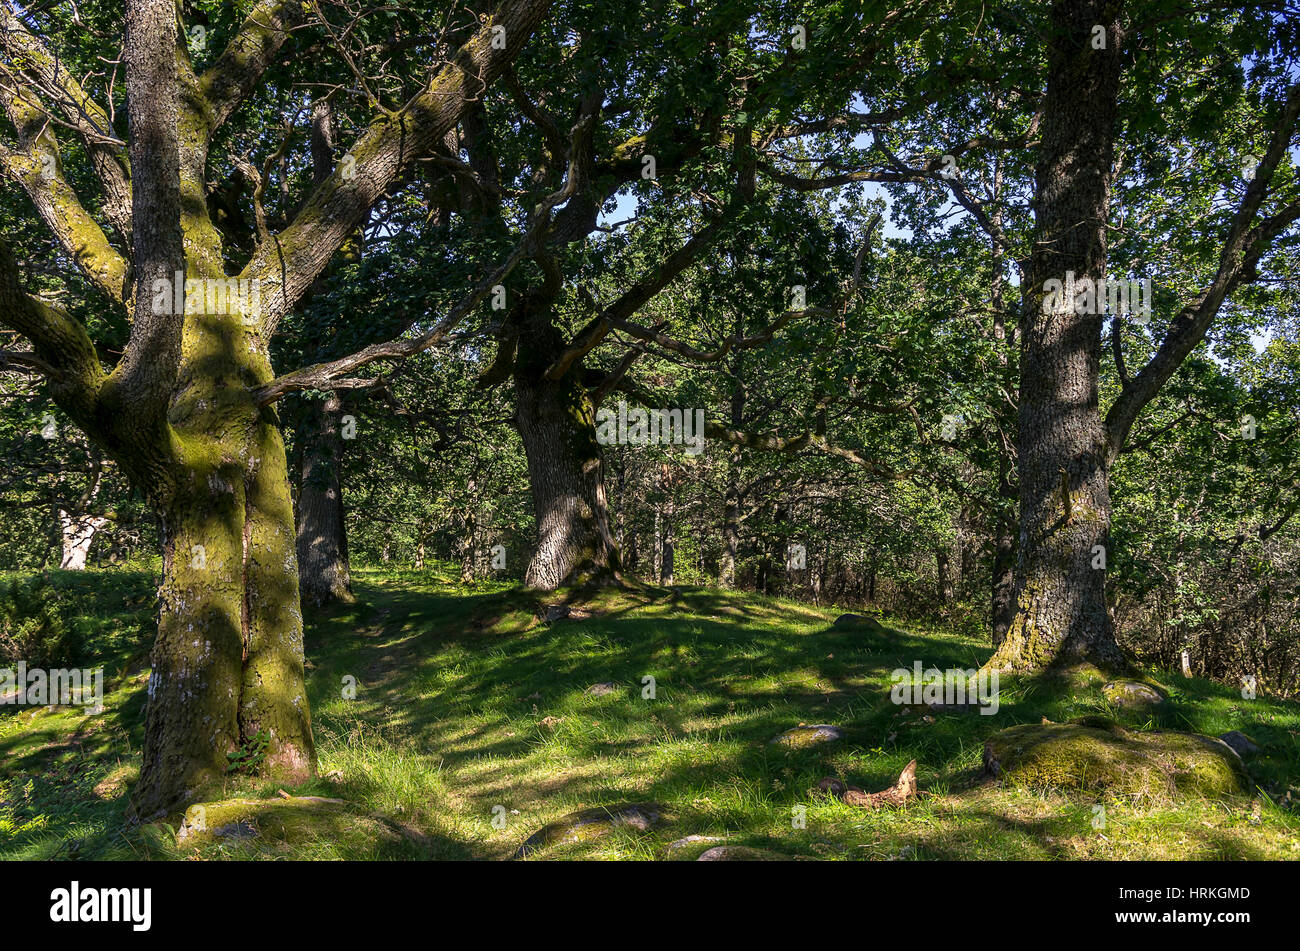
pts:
[466, 702]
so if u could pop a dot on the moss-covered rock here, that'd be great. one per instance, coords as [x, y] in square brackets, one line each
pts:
[1133, 694]
[296, 821]
[1073, 756]
[804, 736]
[588, 824]
[859, 622]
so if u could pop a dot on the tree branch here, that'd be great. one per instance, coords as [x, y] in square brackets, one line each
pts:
[288, 264]
[1242, 249]
[237, 71]
[36, 167]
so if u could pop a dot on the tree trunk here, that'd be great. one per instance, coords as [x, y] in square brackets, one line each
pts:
[556, 423]
[668, 552]
[228, 661]
[1002, 594]
[730, 528]
[78, 532]
[1003, 597]
[666, 563]
[943, 575]
[325, 576]
[731, 504]
[1061, 612]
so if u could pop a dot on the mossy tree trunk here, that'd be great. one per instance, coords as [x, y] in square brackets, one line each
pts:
[186, 411]
[228, 661]
[1061, 612]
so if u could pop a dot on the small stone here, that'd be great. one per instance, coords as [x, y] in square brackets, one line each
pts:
[740, 853]
[830, 786]
[1133, 693]
[236, 830]
[1240, 742]
[802, 736]
[562, 612]
[587, 824]
[692, 840]
[601, 689]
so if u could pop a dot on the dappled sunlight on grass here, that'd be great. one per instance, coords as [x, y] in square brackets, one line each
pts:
[473, 724]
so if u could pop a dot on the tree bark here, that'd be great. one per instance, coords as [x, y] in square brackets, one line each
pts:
[1061, 611]
[228, 661]
[943, 575]
[78, 531]
[325, 576]
[1003, 594]
[556, 423]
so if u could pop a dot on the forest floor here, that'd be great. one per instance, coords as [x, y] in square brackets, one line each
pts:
[473, 725]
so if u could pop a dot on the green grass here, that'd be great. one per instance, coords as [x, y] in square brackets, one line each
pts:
[466, 702]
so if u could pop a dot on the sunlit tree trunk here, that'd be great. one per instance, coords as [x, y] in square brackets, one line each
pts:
[1061, 611]
[77, 532]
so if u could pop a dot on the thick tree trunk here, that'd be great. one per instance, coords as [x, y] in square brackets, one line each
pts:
[325, 576]
[228, 661]
[1061, 612]
[556, 423]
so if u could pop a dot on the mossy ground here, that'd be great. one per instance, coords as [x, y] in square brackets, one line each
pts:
[465, 702]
